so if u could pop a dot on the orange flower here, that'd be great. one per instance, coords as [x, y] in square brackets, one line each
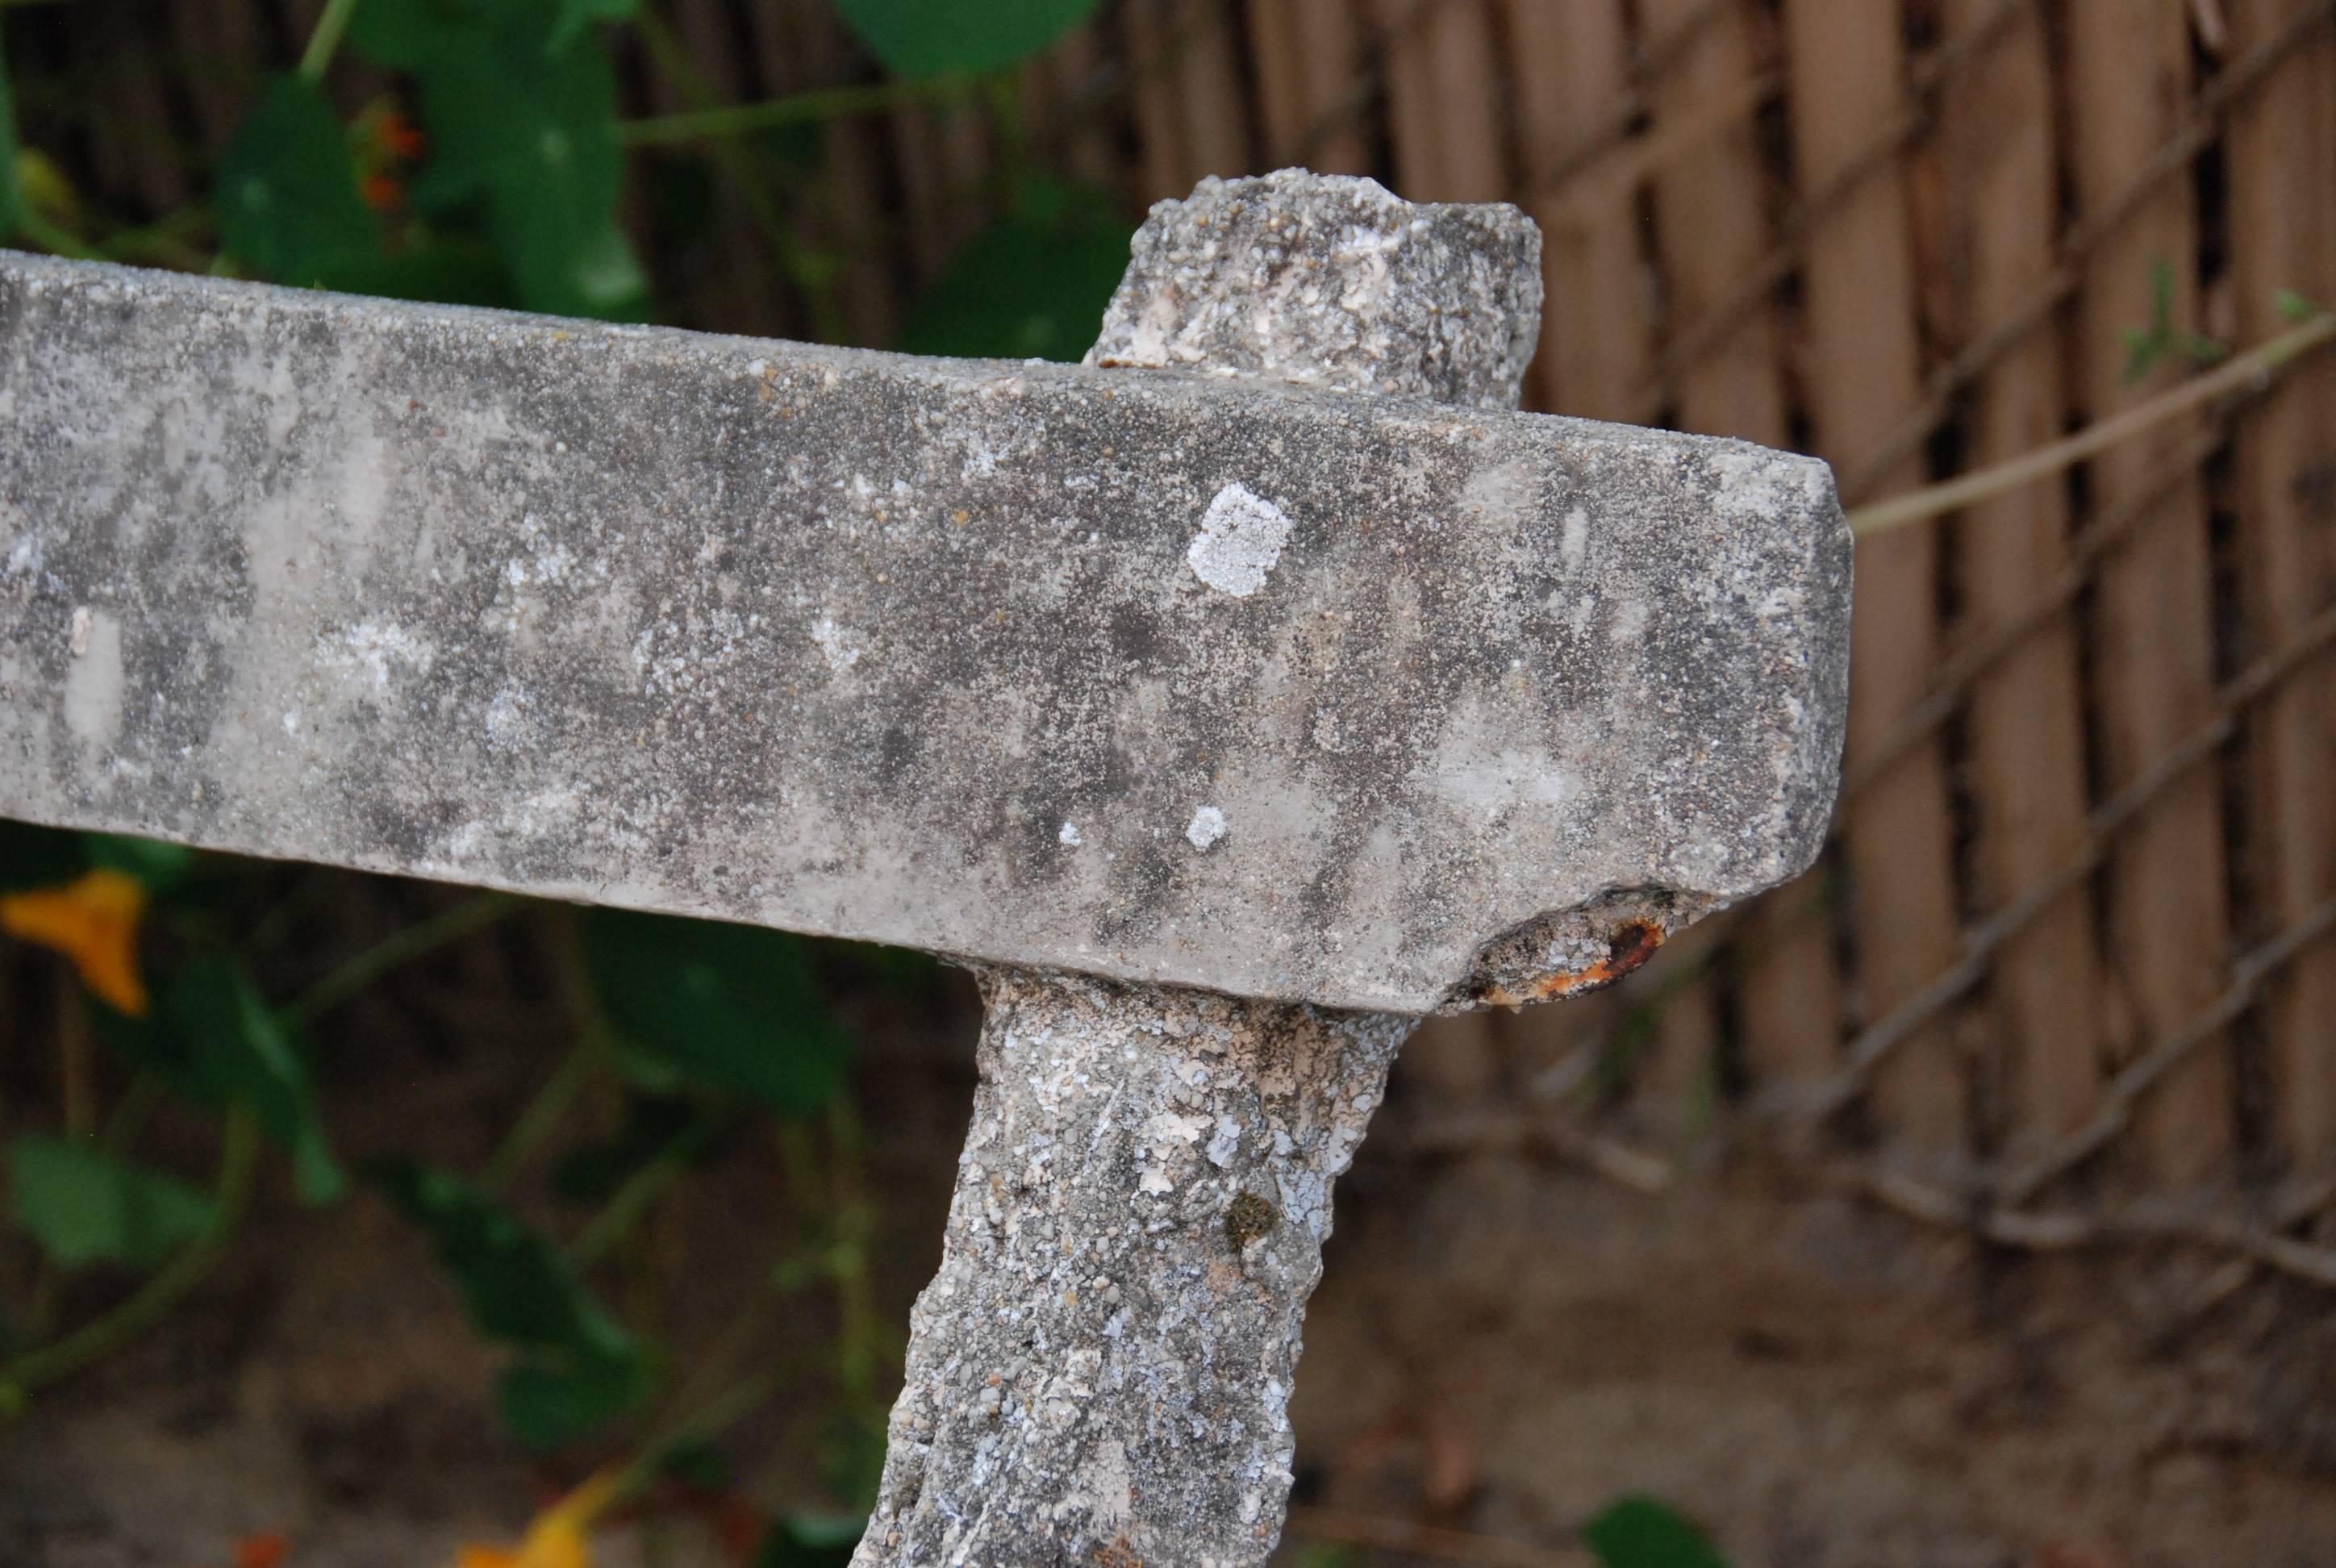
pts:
[396, 135]
[557, 1537]
[92, 921]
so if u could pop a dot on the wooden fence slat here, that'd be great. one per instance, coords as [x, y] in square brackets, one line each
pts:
[1570, 69]
[1158, 117]
[1189, 107]
[738, 268]
[2282, 205]
[1055, 86]
[2153, 641]
[942, 153]
[131, 140]
[1844, 60]
[1443, 103]
[1671, 1084]
[799, 44]
[2026, 716]
[1570, 73]
[1309, 64]
[1712, 223]
[221, 58]
[1216, 110]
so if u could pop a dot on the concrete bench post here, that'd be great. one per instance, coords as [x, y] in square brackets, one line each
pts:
[1104, 1362]
[1228, 704]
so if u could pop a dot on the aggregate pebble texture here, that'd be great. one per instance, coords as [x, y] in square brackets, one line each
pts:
[1101, 1371]
[1154, 674]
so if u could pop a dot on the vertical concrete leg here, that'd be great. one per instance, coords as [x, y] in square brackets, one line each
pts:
[1100, 1372]
[1101, 1369]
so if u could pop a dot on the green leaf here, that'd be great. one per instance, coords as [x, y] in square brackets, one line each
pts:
[2143, 350]
[162, 867]
[698, 1463]
[1641, 1532]
[83, 1205]
[448, 269]
[522, 115]
[550, 1398]
[2295, 307]
[578, 1366]
[214, 1040]
[536, 135]
[287, 192]
[1027, 288]
[12, 196]
[407, 34]
[515, 1285]
[576, 15]
[38, 857]
[247, 1058]
[727, 1007]
[932, 37]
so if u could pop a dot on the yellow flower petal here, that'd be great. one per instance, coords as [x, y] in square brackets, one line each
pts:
[92, 921]
[557, 1539]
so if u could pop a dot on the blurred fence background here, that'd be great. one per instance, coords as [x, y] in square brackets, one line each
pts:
[2067, 965]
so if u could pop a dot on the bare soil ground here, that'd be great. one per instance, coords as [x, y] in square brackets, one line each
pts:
[1502, 1345]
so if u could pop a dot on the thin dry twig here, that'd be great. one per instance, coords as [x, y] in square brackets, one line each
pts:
[1573, 1142]
[1971, 1209]
[2253, 368]
[2067, 1230]
[1964, 669]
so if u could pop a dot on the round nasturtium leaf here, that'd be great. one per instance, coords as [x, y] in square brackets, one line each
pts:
[939, 37]
[726, 1007]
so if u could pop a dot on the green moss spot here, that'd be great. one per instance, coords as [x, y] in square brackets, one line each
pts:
[1248, 1218]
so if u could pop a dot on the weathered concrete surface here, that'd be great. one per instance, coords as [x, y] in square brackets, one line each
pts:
[1187, 1142]
[1101, 1370]
[1141, 673]
[1337, 283]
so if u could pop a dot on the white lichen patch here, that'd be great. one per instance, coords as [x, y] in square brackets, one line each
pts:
[1168, 1129]
[93, 685]
[373, 648]
[838, 645]
[1207, 826]
[1574, 544]
[1241, 539]
[1754, 484]
[507, 720]
[1069, 836]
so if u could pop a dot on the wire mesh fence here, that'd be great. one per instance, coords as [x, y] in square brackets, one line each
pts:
[2065, 973]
